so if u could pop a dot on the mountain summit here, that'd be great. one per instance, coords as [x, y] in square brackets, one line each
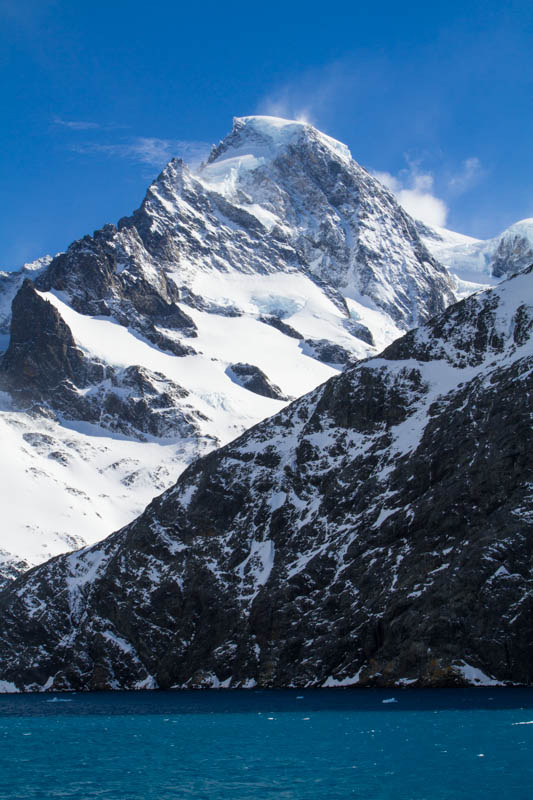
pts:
[346, 227]
[263, 137]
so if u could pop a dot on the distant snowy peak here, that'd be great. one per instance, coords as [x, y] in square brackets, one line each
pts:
[481, 262]
[514, 249]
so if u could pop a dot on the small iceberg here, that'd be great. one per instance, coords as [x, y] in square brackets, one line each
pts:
[59, 700]
[389, 700]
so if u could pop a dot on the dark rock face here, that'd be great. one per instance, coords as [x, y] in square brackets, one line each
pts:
[139, 403]
[254, 379]
[42, 354]
[10, 283]
[360, 331]
[514, 253]
[326, 351]
[378, 531]
[283, 327]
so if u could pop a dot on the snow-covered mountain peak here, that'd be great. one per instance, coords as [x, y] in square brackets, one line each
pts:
[278, 196]
[262, 137]
[262, 143]
[345, 227]
[230, 290]
[476, 263]
[523, 226]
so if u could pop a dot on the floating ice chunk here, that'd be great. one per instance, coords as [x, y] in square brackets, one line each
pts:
[389, 700]
[59, 700]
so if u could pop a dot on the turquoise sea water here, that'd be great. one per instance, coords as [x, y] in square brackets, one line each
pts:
[257, 745]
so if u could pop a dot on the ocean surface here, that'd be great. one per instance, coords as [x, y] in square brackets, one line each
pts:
[255, 745]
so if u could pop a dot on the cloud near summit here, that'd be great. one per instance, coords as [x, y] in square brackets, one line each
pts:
[149, 150]
[414, 191]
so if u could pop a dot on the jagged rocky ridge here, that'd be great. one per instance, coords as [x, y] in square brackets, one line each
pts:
[378, 531]
[281, 253]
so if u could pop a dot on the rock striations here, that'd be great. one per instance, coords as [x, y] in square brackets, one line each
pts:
[376, 532]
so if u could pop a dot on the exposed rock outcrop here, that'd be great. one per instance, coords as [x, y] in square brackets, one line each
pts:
[254, 379]
[327, 352]
[42, 357]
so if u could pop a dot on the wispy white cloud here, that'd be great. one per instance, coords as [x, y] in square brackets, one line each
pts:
[414, 190]
[77, 125]
[151, 151]
[282, 104]
[470, 173]
[313, 95]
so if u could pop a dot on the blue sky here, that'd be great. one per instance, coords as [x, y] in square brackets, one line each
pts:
[97, 96]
